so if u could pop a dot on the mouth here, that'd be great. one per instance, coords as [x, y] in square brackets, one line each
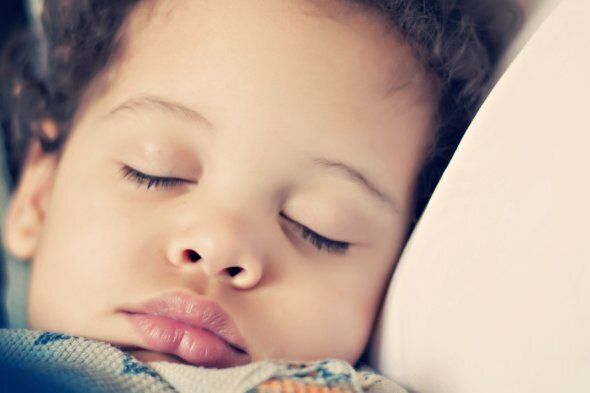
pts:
[191, 328]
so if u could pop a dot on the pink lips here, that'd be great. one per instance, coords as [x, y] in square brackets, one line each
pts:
[192, 328]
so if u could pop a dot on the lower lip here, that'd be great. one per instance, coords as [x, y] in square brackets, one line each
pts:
[197, 346]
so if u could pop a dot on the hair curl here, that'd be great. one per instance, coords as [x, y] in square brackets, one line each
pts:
[44, 75]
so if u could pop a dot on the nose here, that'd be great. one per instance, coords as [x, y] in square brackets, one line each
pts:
[226, 249]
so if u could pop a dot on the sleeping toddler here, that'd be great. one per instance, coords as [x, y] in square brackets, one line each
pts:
[220, 183]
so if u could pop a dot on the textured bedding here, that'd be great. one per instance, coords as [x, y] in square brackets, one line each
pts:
[82, 365]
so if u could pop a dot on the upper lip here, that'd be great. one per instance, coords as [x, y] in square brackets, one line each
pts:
[197, 312]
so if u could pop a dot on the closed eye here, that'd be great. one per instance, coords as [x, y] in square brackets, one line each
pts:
[320, 242]
[149, 181]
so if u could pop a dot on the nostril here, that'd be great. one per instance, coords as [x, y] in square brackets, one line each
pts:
[234, 271]
[192, 255]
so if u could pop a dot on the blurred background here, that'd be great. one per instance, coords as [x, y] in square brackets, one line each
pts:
[13, 17]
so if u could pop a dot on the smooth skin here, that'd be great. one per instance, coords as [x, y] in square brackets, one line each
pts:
[256, 109]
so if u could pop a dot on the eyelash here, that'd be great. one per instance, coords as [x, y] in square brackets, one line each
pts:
[149, 181]
[318, 241]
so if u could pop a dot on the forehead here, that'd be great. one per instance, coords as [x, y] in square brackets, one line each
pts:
[321, 77]
[311, 43]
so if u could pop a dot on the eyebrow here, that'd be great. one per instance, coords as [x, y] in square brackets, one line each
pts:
[163, 105]
[175, 108]
[358, 177]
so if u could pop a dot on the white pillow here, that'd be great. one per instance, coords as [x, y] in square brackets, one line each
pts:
[492, 293]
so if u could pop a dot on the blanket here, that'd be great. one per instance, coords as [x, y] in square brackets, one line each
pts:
[80, 364]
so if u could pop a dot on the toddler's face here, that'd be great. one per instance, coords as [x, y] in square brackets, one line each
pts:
[261, 121]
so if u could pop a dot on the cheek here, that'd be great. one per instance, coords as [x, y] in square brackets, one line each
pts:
[87, 245]
[319, 313]
[349, 315]
[359, 306]
[340, 302]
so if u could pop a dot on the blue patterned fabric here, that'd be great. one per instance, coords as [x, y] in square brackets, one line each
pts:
[76, 364]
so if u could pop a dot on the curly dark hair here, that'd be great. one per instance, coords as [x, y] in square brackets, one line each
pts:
[44, 76]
